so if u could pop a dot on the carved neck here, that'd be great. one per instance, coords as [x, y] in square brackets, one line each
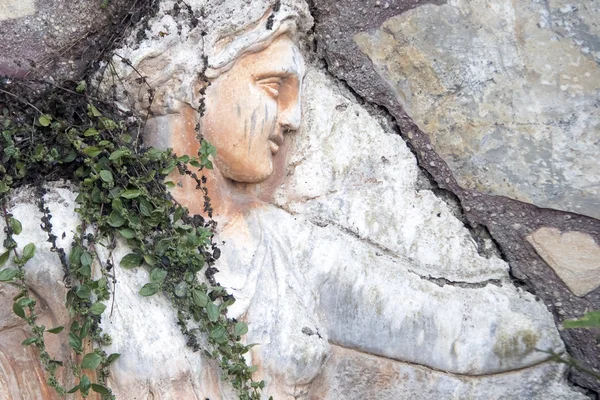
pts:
[228, 198]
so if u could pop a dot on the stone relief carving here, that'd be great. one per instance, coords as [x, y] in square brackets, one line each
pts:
[327, 247]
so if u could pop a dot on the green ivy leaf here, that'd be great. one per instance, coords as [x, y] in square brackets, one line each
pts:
[97, 308]
[127, 233]
[75, 342]
[58, 329]
[29, 341]
[45, 119]
[178, 214]
[131, 260]
[181, 289]
[93, 111]
[73, 389]
[219, 334]
[4, 188]
[92, 151]
[213, 311]
[91, 361]
[83, 291]
[16, 226]
[157, 275]
[149, 289]
[106, 176]
[240, 328]
[85, 271]
[100, 389]
[131, 194]
[7, 275]
[17, 309]
[115, 219]
[112, 357]
[150, 260]
[28, 251]
[117, 155]
[199, 298]
[84, 384]
[81, 86]
[4, 257]
[86, 259]
[90, 132]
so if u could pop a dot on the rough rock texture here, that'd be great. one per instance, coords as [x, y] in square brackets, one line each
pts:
[342, 25]
[357, 281]
[507, 92]
[324, 287]
[59, 38]
[574, 256]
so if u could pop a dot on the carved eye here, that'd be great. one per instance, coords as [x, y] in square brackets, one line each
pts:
[271, 85]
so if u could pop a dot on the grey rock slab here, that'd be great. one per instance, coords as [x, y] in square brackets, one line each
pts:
[354, 375]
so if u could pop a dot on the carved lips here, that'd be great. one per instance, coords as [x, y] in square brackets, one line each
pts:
[275, 140]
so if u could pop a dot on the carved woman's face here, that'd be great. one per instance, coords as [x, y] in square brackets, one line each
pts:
[250, 108]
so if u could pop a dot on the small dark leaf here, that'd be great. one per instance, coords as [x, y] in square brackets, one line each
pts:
[84, 383]
[213, 311]
[75, 341]
[240, 328]
[117, 155]
[58, 329]
[149, 289]
[28, 251]
[73, 389]
[112, 357]
[92, 151]
[8, 274]
[131, 194]
[86, 259]
[181, 289]
[93, 111]
[158, 275]
[127, 233]
[100, 389]
[97, 308]
[131, 260]
[45, 119]
[18, 310]
[29, 341]
[150, 260]
[83, 291]
[115, 219]
[199, 298]
[106, 176]
[85, 271]
[90, 132]
[4, 257]
[16, 226]
[91, 361]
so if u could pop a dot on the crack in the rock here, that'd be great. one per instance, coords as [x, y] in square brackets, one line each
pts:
[548, 360]
[439, 281]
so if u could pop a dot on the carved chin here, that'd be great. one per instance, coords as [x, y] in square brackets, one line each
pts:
[247, 172]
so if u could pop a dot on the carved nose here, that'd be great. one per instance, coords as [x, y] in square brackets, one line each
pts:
[290, 117]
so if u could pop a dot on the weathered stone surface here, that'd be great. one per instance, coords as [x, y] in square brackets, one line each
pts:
[347, 252]
[391, 380]
[507, 93]
[59, 38]
[337, 24]
[574, 256]
[304, 288]
[11, 9]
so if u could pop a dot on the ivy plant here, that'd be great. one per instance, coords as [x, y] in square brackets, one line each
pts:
[122, 195]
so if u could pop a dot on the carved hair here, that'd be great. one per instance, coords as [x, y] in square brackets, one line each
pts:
[176, 49]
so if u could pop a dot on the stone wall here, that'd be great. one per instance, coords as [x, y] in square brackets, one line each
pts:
[435, 217]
